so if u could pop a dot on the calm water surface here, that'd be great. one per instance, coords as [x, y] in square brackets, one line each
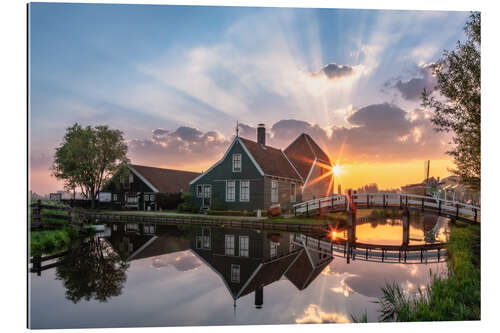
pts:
[157, 275]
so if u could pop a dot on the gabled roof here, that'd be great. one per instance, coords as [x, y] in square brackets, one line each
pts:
[272, 161]
[164, 180]
[303, 151]
[306, 268]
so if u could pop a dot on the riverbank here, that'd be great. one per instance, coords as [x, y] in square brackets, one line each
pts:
[48, 241]
[456, 297]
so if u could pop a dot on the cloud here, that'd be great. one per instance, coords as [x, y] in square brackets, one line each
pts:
[180, 148]
[314, 315]
[412, 88]
[374, 133]
[335, 71]
[183, 261]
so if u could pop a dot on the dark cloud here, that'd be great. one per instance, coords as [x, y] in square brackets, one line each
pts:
[412, 88]
[184, 146]
[335, 71]
[377, 132]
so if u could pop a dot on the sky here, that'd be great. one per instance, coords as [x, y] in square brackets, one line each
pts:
[176, 79]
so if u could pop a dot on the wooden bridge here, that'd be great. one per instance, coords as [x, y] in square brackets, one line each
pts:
[407, 254]
[339, 202]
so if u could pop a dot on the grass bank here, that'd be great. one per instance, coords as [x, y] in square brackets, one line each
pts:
[456, 297]
[48, 241]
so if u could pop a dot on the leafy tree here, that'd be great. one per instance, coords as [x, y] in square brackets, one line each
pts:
[92, 271]
[88, 157]
[458, 107]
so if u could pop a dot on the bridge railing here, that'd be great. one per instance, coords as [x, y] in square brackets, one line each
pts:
[392, 200]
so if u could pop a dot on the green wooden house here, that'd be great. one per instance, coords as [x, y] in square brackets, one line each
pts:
[252, 176]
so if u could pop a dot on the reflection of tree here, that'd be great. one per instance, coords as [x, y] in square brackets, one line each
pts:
[92, 271]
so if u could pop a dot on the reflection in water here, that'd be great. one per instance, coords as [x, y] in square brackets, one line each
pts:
[92, 271]
[163, 275]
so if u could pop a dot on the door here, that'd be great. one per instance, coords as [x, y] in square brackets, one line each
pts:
[207, 196]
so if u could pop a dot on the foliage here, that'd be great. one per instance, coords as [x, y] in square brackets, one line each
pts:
[458, 75]
[169, 200]
[88, 157]
[456, 297]
[187, 204]
[234, 213]
[47, 241]
[92, 271]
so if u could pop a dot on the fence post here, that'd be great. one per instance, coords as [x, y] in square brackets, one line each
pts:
[422, 204]
[439, 201]
[383, 200]
[400, 202]
[407, 200]
[307, 208]
[368, 200]
[319, 207]
[295, 210]
[457, 210]
[475, 214]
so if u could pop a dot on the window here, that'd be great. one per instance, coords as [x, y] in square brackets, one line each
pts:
[230, 190]
[115, 197]
[229, 245]
[236, 162]
[151, 197]
[293, 192]
[199, 191]
[206, 238]
[274, 191]
[131, 178]
[146, 197]
[274, 249]
[243, 246]
[199, 243]
[149, 229]
[235, 273]
[245, 190]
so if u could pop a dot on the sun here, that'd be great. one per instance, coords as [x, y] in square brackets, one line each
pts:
[337, 169]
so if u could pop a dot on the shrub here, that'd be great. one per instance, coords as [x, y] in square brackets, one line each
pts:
[187, 204]
[169, 200]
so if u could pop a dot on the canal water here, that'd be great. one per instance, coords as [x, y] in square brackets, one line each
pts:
[136, 274]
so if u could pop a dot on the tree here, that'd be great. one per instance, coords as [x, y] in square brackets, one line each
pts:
[457, 108]
[92, 271]
[88, 157]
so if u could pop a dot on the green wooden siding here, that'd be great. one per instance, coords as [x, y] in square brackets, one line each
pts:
[218, 176]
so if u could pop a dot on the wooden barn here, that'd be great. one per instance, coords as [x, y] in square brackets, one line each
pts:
[252, 175]
[140, 186]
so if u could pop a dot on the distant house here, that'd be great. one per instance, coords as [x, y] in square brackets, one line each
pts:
[141, 185]
[252, 175]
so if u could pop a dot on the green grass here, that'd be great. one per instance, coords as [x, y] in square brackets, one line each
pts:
[456, 297]
[48, 241]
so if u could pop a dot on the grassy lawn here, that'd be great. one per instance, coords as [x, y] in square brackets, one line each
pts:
[49, 241]
[456, 297]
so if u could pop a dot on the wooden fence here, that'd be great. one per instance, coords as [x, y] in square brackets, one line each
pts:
[41, 219]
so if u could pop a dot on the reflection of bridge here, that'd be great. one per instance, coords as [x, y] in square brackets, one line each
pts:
[410, 254]
[446, 208]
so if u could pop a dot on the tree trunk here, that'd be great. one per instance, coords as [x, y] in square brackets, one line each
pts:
[92, 200]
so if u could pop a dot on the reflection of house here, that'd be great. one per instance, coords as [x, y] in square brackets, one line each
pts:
[308, 266]
[252, 175]
[138, 188]
[134, 241]
[249, 260]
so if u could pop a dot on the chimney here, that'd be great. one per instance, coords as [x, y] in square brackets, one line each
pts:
[261, 134]
[259, 297]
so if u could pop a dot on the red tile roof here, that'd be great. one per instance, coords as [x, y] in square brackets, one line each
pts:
[302, 153]
[271, 160]
[166, 180]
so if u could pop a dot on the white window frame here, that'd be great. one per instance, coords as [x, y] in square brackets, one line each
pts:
[244, 250]
[131, 178]
[274, 191]
[235, 273]
[273, 249]
[233, 198]
[235, 168]
[115, 197]
[229, 245]
[293, 192]
[199, 242]
[243, 197]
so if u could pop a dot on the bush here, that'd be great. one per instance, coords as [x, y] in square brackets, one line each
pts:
[49, 240]
[187, 204]
[234, 213]
[169, 200]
